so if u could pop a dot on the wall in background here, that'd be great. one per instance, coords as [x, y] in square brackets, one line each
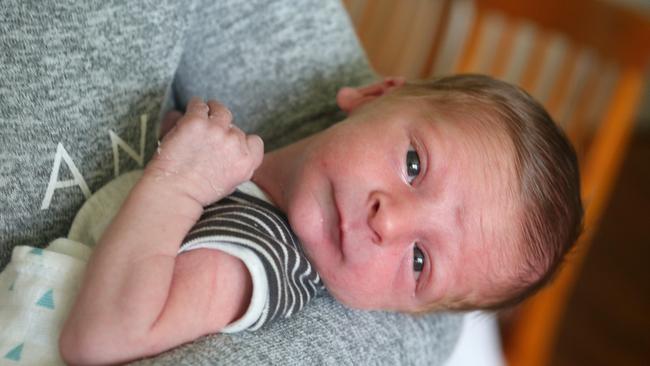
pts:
[644, 113]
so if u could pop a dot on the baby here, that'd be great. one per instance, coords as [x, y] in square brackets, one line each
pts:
[457, 193]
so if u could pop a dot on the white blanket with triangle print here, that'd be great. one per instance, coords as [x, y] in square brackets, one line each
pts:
[37, 289]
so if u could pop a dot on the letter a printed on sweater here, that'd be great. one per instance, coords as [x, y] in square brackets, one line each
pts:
[55, 183]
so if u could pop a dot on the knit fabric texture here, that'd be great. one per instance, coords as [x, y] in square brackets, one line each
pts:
[83, 86]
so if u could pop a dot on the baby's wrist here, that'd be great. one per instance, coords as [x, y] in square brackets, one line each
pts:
[169, 190]
[186, 182]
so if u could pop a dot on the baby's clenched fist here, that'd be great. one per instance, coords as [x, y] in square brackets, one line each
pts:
[204, 155]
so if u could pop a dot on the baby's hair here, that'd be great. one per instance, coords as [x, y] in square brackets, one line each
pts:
[546, 169]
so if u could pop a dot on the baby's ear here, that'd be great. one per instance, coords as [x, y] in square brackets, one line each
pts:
[349, 99]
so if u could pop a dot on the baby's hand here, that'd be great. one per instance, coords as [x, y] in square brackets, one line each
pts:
[205, 156]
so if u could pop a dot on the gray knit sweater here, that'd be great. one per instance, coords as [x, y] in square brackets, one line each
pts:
[82, 88]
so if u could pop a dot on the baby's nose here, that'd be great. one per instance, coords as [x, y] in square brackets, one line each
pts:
[388, 219]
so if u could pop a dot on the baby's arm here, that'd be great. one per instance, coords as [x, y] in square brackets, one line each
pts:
[138, 298]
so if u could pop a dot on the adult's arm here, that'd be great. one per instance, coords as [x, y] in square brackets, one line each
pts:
[326, 333]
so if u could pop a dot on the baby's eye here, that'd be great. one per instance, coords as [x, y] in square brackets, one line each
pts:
[418, 261]
[412, 164]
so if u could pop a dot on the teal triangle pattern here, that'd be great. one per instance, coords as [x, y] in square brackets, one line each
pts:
[15, 353]
[36, 251]
[47, 300]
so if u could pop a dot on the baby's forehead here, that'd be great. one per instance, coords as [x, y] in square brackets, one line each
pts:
[473, 117]
[487, 174]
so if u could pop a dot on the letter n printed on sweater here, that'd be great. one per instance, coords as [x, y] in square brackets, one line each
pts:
[117, 141]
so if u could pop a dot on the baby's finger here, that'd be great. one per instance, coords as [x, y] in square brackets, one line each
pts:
[168, 122]
[219, 113]
[196, 107]
[256, 148]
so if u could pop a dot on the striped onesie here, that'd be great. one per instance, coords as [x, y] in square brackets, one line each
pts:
[247, 226]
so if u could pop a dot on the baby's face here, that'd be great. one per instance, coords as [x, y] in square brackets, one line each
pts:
[399, 209]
